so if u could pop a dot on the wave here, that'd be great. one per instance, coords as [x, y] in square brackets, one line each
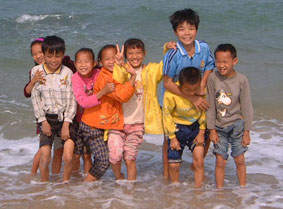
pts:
[34, 18]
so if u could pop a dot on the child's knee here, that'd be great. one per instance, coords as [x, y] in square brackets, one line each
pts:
[174, 166]
[45, 161]
[239, 160]
[68, 158]
[130, 163]
[115, 157]
[198, 163]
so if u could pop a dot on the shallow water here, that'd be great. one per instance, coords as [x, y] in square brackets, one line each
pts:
[254, 27]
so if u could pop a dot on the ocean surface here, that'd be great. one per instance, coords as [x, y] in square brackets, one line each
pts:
[255, 27]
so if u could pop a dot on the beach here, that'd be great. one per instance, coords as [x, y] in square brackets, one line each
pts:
[255, 28]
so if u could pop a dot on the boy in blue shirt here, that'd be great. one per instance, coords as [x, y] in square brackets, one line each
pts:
[189, 53]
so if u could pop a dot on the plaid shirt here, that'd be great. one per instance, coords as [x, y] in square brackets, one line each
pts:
[55, 96]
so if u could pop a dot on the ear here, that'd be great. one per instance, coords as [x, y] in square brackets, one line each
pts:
[235, 61]
[94, 63]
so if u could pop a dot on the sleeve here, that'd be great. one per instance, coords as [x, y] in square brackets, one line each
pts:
[168, 120]
[81, 96]
[122, 93]
[170, 64]
[37, 105]
[202, 121]
[120, 74]
[246, 104]
[210, 62]
[211, 112]
[27, 95]
[71, 108]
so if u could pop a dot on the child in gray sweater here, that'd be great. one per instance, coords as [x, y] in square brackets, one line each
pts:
[230, 115]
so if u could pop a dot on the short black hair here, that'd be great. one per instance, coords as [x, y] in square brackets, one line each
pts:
[225, 48]
[108, 46]
[190, 75]
[36, 41]
[133, 43]
[181, 16]
[86, 50]
[53, 44]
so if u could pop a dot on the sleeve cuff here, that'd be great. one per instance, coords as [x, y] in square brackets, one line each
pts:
[68, 120]
[41, 119]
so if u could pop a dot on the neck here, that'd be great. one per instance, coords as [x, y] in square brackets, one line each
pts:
[190, 49]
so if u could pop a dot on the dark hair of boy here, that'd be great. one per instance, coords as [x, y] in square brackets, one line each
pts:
[181, 16]
[85, 50]
[133, 43]
[225, 48]
[53, 44]
[190, 75]
[108, 46]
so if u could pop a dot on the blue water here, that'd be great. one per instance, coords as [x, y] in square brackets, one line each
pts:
[254, 27]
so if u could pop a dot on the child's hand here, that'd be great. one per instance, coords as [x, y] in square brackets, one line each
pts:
[65, 132]
[38, 77]
[246, 138]
[130, 69]
[200, 103]
[200, 138]
[174, 144]
[46, 128]
[119, 57]
[108, 88]
[213, 136]
[171, 45]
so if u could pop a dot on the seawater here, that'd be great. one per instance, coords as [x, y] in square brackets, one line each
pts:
[254, 27]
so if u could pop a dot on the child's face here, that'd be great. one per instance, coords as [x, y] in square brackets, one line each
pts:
[108, 59]
[37, 54]
[84, 64]
[135, 56]
[190, 89]
[186, 33]
[225, 63]
[53, 60]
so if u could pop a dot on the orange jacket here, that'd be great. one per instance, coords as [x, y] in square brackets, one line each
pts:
[109, 114]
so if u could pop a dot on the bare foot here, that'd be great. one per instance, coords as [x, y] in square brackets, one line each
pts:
[90, 178]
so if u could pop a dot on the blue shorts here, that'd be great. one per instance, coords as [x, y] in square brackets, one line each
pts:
[233, 135]
[186, 135]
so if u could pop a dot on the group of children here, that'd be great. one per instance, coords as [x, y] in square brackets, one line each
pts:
[106, 106]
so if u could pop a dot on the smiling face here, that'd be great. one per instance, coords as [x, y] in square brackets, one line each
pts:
[53, 60]
[84, 64]
[135, 56]
[225, 63]
[186, 33]
[37, 54]
[108, 58]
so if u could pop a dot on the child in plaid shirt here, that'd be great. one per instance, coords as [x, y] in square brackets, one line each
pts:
[54, 106]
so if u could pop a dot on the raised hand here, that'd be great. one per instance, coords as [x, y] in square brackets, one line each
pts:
[119, 57]
[171, 45]
[130, 69]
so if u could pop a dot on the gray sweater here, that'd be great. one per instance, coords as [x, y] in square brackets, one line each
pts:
[229, 100]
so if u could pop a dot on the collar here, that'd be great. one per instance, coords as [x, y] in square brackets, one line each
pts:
[47, 71]
[183, 50]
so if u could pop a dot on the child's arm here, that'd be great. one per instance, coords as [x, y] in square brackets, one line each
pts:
[37, 77]
[87, 101]
[211, 112]
[168, 120]
[247, 110]
[199, 102]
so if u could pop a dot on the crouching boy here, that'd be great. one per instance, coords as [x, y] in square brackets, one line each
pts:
[184, 125]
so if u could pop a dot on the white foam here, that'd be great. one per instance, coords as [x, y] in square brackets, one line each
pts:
[34, 18]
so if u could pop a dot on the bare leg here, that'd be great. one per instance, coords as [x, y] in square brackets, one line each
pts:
[165, 159]
[241, 169]
[198, 165]
[117, 170]
[76, 162]
[87, 163]
[174, 171]
[57, 161]
[90, 178]
[35, 163]
[206, 147]
[45, 158]
[131, 169]
[68, 158]
[220, 170]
